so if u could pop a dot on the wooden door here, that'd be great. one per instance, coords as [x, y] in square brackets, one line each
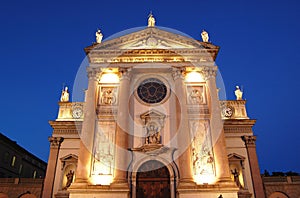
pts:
[153, 181]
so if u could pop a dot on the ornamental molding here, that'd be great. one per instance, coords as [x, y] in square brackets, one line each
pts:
[249, 140]
[209, 72]
[198, 111]
[178, 73]
[94, 73]
[55, 142]
[125, 73]
[233, 129]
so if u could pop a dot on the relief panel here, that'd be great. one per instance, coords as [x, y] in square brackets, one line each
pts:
[202, 150]
[103, 149]
[196, 94]
[108, 95]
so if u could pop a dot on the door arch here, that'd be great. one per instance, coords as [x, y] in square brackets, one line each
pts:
[153, 180]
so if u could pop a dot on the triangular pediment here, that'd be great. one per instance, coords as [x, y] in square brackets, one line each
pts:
[70, 157]
[235, 157]
[153, 115]
[149, 38]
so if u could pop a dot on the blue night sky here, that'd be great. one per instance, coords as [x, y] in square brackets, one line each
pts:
[42, 47]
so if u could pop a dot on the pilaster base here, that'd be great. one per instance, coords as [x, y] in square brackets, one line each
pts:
[244, 194]
[208, 191]
[62, 194]
[99, 191]
[186, 183]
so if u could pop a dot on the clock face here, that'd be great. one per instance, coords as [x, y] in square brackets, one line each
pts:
[77, 112]
[227, 111]
[152, 91]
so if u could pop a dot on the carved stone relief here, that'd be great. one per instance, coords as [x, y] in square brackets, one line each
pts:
[202, 152]
[153, 124]
[108, 95]
[195, 95]
[103, 150]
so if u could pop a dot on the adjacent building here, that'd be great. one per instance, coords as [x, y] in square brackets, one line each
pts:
[21, 173]
[16, 162]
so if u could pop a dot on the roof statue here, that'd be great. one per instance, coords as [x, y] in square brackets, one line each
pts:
[64, 95]
[99, 36]
[204, 36]
[151, 20]
[238, 93]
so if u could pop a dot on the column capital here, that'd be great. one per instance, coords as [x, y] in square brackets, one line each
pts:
[125, 73]
[249, 140]
[178, 73]
[93, 73]
[209, 72]
[55, 141]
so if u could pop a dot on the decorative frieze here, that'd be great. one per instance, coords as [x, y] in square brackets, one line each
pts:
[235, 129]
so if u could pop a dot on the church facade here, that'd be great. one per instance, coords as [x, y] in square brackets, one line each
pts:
[152, 125]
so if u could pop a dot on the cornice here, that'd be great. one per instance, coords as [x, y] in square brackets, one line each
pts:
[239, 122]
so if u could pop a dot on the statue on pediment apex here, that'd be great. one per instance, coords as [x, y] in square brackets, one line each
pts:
[151, 20]
[99, 36]
[204, 36]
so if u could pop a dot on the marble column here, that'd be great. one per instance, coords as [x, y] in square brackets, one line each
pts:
[55, 143]
[183, 133]
[88, 130]
[254, 167]
[216, 125]
[122, 155]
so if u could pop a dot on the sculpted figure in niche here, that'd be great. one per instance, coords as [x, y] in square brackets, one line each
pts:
[99, 36]
[236, 174]
[204, 36]
[196, 97]
[151, 21]
[64, 95]
[153, 135]
[108, 97]
[69, 176]
[238, 93]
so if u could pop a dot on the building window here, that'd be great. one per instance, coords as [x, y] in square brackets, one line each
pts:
[20, 169]
[34, 174]
[13, 161]
[152, 91]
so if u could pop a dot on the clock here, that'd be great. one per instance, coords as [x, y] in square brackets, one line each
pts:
[77, 112]
[152, 91]
[227, 111]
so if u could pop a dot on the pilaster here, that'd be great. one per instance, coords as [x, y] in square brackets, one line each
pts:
[216, 126]
[88, 129]
[254, 167]
[55, 143]
[122, 156]
[184, 140]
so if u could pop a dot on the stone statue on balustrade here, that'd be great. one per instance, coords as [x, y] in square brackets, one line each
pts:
[64, 95]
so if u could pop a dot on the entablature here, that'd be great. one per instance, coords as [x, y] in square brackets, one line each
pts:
[66, 127]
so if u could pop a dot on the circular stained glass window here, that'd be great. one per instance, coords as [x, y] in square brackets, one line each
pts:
[152, 90]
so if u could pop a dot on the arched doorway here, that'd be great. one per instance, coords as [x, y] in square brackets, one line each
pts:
[153, 180]
[278, 195]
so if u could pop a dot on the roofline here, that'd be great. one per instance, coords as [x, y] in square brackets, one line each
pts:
[15, 145]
